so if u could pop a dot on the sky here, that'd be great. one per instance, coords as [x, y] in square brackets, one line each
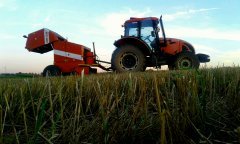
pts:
[211, 26]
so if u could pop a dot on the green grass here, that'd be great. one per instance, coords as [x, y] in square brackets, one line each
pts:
[18, 75]
[149, 107]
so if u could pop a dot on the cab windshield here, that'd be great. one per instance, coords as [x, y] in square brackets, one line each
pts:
[146, 32]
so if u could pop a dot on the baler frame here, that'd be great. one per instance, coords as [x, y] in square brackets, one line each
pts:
[69, 58]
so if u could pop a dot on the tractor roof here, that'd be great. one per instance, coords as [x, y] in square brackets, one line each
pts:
[134, 19]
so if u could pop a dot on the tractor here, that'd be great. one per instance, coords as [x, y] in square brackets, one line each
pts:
[141, 47]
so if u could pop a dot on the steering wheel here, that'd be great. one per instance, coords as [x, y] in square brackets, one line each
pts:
[147, 38]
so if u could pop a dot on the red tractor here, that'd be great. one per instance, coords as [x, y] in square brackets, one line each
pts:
[142, 47]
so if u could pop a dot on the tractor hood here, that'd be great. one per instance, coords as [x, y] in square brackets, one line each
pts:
[173, 40]
[179, 42]
[182, 44]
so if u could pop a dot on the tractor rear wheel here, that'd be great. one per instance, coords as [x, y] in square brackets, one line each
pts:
[51, 70]
[128, 58]
[185, 61]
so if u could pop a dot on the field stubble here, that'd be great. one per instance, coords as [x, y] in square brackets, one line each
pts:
[149, 107]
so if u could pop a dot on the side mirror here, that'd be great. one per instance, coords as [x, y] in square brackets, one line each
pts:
[152, 34]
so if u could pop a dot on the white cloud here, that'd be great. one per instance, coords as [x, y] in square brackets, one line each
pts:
[9, 4]
[42, 22]
[219, 57]
[26, 62]
[208, 33]
[229, 58]
[47, 19]
[4, 36]
[200, 48]
[111, 27]
[112, 22]
[108, 29]
[2, 3]
[37, 25]
[185, 14]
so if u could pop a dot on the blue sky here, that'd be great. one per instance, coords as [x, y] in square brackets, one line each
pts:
[212, 26]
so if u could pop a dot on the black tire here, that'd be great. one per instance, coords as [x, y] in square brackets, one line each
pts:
[170, 66]
[185, 61]
[51, 70]
[128, 58]
[92, 71]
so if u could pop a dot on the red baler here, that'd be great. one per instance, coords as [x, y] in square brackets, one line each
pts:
[68, 57]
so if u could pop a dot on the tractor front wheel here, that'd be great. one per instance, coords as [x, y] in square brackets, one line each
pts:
[185, 61]
[51, 70]
[128, 58]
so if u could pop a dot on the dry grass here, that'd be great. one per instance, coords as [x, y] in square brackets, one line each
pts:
[151, 107]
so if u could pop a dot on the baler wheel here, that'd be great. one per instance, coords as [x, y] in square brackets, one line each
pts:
[51, 70]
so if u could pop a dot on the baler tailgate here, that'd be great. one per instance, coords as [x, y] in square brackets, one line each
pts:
[41, 41]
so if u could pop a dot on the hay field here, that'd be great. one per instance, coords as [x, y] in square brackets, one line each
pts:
[189, 106]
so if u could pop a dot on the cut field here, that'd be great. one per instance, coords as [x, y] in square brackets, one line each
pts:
[190, 106]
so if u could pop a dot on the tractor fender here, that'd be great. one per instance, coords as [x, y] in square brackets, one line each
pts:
[187, 47]
[140, 44]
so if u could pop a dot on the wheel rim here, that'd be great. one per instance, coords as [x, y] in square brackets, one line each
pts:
[129, 61]
[48, 73]
[185, 63]
[52, 73]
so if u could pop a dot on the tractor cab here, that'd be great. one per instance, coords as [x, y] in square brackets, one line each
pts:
[145, 29]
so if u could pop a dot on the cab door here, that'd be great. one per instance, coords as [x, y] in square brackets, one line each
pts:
[147, 33]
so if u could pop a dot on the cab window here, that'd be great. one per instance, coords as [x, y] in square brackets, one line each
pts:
[131, 29]
[147, 31]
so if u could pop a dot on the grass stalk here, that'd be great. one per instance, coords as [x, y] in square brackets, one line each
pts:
[24, 115]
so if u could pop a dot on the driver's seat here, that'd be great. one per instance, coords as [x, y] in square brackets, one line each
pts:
[154, 44]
